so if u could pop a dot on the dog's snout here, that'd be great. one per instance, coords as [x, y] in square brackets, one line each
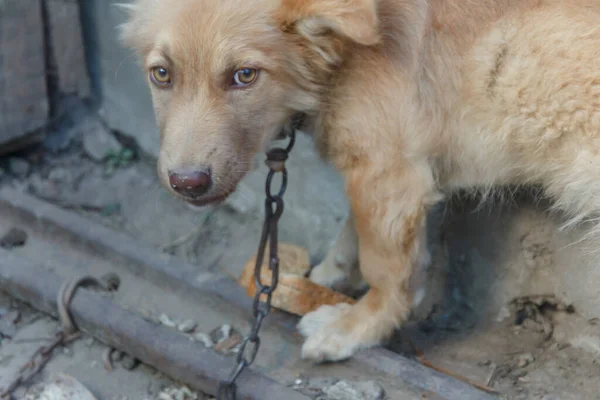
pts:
[191, 183]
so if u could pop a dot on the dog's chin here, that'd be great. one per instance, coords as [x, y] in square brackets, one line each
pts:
[203, 202]
[207, 201]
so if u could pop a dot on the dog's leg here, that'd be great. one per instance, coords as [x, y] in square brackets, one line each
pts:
[340, 269]
[390, 223]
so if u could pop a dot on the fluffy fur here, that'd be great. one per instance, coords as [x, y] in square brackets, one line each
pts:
[411, 99]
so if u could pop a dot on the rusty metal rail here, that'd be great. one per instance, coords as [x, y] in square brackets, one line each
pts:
[179, 277]
[152, 344]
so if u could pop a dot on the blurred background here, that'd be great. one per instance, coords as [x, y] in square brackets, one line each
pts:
[77, 131]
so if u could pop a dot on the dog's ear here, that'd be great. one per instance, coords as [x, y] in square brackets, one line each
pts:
[355, 20]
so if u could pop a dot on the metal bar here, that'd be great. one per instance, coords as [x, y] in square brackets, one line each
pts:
[152, 344]
[419, 375]
[162, 269]
[180, 277]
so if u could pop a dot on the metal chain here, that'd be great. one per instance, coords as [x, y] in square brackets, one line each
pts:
[248, 351]
[68, 332]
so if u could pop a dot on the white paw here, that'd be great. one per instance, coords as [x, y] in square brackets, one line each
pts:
[325, 341]
[324, 315]
[327, 273]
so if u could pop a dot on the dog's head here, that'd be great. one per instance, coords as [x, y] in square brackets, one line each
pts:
[226, 76]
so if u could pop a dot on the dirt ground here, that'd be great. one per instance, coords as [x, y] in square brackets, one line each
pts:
[494, 314]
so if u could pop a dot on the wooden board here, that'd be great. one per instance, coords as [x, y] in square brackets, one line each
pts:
[67, 47]
[23, 93]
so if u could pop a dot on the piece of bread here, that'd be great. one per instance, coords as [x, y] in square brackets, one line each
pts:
[295, 293]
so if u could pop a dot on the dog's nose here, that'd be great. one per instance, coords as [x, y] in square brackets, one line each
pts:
[190, 183]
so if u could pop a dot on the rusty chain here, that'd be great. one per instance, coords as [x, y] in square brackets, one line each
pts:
[248, 351]
[68, 332]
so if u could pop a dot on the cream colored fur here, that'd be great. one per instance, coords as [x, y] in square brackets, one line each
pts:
[411, 99]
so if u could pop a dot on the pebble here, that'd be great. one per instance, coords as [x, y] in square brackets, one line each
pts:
[225, 332]
[344, 390]
[204, 339]
[116, 355]
[524, 360]
[60, 174]
[15, 237]
[173, 393]
[187, 326]
[166, 321]
[98, 142]
[128, 362]
[221, 333]
[19, 167]
[231, 344]
[503, 314]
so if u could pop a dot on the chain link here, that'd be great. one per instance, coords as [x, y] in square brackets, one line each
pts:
[68, 332]
[276, 159]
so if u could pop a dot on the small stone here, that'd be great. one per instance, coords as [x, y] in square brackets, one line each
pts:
[98, 141]
[116, 356]
[343, 390]
[187, 326]
[166, 321]
[519, 374]
[175, 393]
[129, 363]
[60, 174]
[503, 314]
[19, 167]
[298, 382]
[226, 331]
[13, 238]
[204, 339]
[230, 344]
[221, 333]
[524, 360]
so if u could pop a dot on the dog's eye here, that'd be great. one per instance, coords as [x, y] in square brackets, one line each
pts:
[160, 76]
[244, 77]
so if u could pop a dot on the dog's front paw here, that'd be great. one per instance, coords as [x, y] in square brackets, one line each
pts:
[328, 273]
[327, 335]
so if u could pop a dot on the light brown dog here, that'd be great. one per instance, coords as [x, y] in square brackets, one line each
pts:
[411, 100]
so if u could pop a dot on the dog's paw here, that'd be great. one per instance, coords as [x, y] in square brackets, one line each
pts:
[325, 338]
[312, 322]
[327, 274]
